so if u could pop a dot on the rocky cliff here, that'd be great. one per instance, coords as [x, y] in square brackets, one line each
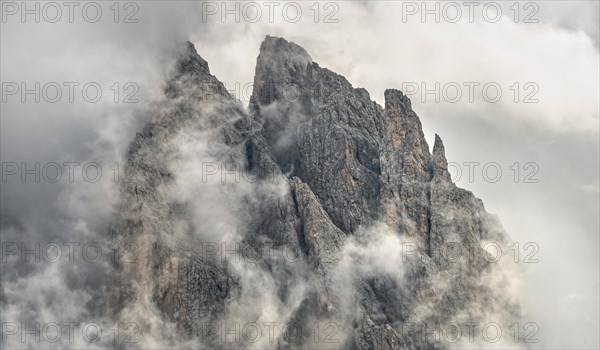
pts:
[315, 207]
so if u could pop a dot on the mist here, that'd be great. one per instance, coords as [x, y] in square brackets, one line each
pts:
[372, 45]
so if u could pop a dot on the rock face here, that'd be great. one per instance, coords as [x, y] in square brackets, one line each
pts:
[304, 182]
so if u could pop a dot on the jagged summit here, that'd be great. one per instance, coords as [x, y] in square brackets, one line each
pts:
[278, 47]
[395, 98]
[440, 164]
[189, 61]
[280, 66]
[333, 170]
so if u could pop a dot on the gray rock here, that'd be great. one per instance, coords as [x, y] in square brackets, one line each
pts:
[329, 162]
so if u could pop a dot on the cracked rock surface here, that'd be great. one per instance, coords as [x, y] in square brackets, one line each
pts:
[305, 181]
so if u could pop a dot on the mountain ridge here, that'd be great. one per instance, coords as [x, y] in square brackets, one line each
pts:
[334, 174]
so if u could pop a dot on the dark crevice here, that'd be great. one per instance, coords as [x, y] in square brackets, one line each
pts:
[300, 228]
[250, 156]
[428, 212]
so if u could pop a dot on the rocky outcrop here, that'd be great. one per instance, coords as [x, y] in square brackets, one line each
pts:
[320, 129]
[328, 166]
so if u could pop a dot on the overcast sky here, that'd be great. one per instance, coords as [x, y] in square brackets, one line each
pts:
[543, 52]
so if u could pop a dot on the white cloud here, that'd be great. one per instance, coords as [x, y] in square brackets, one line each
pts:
[373, 49]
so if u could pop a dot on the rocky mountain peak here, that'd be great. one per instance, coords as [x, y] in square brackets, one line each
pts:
[440, 164]
[279, 50]
[404, 138]
[189, 61]
[396, 100]
[335, 171]
[280, 68]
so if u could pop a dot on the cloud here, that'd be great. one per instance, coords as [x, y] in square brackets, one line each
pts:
[372, 47]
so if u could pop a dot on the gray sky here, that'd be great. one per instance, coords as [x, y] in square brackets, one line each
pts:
[375, 45]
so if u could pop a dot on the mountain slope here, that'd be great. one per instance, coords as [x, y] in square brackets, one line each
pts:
[315, 182]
